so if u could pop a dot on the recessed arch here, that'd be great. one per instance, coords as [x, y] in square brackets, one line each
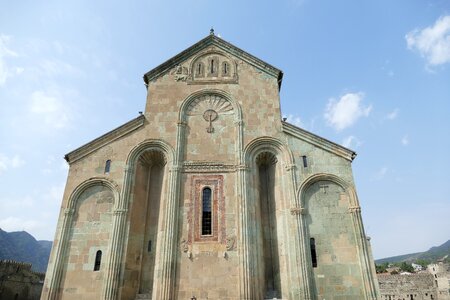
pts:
[268, 144]
[95, 181]
[149, 145]
[232, 64]
[348, 188]
[182, 117]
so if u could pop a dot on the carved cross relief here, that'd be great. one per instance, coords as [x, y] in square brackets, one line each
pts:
[210, 106]
[324, 188]
[210, 115]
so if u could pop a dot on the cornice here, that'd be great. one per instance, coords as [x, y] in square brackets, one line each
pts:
[212, 40]
[318, 141]
[105, 139]
[207, 167]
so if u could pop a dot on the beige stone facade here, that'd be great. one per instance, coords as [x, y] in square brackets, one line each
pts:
[210, 195]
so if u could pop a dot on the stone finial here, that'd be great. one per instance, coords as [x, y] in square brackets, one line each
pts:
[211, 31]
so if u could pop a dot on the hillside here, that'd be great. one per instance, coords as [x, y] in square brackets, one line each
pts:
[433, 254]
[22, 246]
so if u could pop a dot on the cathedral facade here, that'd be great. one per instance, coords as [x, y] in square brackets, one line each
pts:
[209, 194]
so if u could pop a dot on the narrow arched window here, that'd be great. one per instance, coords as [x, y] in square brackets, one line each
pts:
[199, 70]
[107, 166]
[225, 68]
[206, 212]
[98, 260]
[312, 243]
[212, 66]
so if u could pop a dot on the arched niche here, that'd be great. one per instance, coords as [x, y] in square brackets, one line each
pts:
[148, 166]
[267, 195]
[328, 201]
[92, 204]
[212, 132]
[213, 66]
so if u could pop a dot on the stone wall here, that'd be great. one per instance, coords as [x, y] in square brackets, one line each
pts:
[19, 282]
[407, 287]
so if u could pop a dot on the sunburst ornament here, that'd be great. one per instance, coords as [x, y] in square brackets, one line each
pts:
[206, 102]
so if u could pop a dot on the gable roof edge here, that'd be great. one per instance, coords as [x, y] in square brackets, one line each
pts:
[318, 141]
[220, 43]
[105, 139]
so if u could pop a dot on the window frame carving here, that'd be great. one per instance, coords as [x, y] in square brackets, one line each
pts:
[198, 184]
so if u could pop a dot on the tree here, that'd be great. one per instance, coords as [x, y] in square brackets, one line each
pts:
[382, 268]
[405, 267]
[423, 262]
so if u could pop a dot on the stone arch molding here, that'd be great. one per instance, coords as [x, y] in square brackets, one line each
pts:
[271, 145]
[213, 52]
[215, 99]
[95, 181]
[348, 188]
[149, 145]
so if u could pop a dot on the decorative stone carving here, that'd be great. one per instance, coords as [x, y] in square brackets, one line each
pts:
[289, 167]
[266, 158]
[120, 212]
[180, 73]
[212, 66]
[184, 245]
[231, 243]
[324, 188]
[210, 115]
[207, 167]
[354, 209]
[295, 211]
[209, 102]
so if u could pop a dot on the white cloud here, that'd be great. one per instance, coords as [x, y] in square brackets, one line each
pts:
[49, 107]
[5, 51]
[381, 173]
[54, 67]
[18, 224]
[344, 112]
[10, 162]
[294, 119]
[432, 42]
[350, 142]
[405, 140]
[392, 115]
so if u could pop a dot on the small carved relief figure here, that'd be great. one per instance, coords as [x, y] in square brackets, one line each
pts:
[231, 243]
[184, 245]
[180, 72]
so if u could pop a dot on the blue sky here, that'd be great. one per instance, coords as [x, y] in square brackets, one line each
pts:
[371, 75]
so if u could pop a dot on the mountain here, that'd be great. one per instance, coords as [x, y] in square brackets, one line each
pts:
[433, 254]
[22, 246]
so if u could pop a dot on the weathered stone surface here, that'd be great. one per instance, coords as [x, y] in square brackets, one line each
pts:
[212, 120]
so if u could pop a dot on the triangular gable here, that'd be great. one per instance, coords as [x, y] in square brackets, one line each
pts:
[105, 139]
[318, 141]
[212, 40]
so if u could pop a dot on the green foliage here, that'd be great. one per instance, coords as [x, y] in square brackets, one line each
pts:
[406, 267]
[382, 267]
[423, 262]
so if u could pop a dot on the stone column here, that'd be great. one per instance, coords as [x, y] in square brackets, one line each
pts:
[301, 244]
[59, 256]
[370, 282]
[117, 240]
[298, 258]
[164, 283]
[246, 266]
